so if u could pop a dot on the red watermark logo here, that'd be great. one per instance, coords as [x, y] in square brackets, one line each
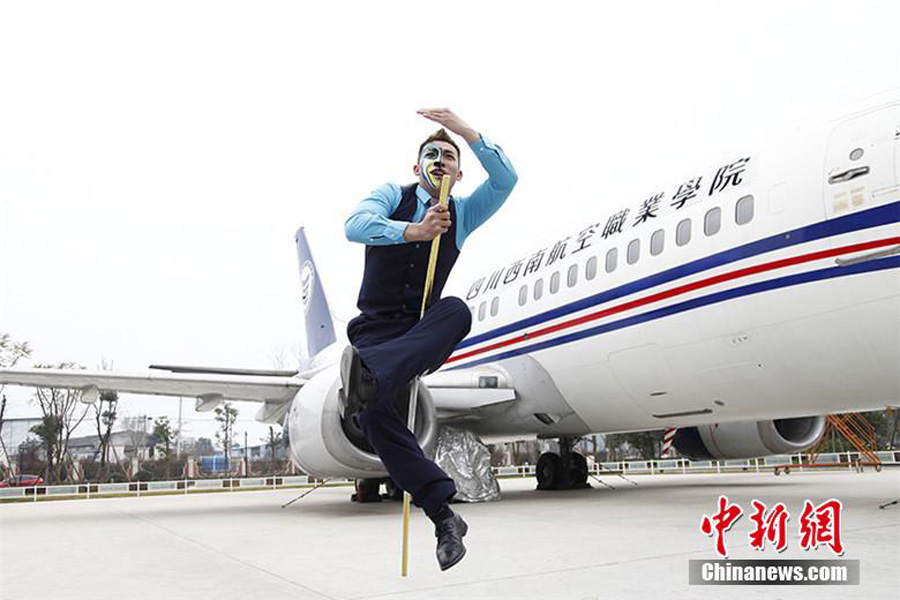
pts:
[819, 525]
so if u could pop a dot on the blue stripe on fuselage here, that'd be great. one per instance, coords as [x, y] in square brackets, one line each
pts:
[753, 288]
[873, 217]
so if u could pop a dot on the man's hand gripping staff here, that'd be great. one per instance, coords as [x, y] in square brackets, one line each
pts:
[435, 222]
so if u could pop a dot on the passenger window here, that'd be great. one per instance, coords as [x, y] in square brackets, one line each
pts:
[554, 283]
[683, 232]
[590, 270]
[611, 258]
[713, 221]
[481, 308]
[743, 211]
[657, 241]
[634, 251]
[538, 288]
[523, 295]
[495, 306]
[572, 276]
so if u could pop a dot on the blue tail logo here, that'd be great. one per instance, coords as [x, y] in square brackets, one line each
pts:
[317, 315]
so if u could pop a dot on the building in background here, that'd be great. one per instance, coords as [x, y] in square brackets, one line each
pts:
[15, 433]
[122, 445]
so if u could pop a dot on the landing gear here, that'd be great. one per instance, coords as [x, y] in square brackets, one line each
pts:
[367, 490]
[576, 466]
[548, 471]
[565, 471]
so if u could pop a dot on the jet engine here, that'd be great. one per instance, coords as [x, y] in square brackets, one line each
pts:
[323, 443]
[749, 439]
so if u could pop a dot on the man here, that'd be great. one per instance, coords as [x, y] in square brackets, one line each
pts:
[390, 345]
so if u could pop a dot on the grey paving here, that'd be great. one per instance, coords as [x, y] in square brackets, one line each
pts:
[627, 542]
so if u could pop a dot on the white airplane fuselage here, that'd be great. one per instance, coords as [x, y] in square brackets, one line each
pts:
[794, 311]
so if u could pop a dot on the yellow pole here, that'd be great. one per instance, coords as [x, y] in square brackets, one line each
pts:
[411, 419]
[435, 246]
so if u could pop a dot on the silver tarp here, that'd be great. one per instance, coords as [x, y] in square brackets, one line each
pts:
[467, 461]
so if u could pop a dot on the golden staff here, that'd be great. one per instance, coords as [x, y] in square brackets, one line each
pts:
[413, 393]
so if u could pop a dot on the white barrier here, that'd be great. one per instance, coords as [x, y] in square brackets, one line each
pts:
[112, 488]
[683, 465]
[150, 488]
[276, 482]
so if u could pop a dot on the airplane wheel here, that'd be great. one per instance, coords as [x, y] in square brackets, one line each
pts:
[577, 469]
[548, 471]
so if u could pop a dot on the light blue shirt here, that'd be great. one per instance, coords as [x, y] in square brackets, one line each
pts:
[369, 222]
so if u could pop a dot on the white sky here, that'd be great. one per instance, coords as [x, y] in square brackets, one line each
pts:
[156, 158]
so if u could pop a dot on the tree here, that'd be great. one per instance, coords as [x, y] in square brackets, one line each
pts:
[62, 414]
[226, 414]
[203, 447]
[105, 417]
[105, 414]
[49, 432]
[2, 443]
[27, 457]
[891, 432]
[638, 444]
[273, 440]
[165, 434]
[11, 352]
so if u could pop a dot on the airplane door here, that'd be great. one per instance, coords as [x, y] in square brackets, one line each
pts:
[862, 162]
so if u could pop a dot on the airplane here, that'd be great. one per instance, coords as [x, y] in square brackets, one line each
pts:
[739, 305]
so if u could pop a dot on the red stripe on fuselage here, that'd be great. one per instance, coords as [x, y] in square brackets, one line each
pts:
[676, 291]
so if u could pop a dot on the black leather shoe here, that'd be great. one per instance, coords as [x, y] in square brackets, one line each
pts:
[450, 548]
[358, 383]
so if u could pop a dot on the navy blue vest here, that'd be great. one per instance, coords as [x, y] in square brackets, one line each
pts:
[394, 276]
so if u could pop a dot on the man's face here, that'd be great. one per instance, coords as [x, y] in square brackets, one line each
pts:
[436, 160]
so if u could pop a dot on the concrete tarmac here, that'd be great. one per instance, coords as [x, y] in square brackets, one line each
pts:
[633, 541]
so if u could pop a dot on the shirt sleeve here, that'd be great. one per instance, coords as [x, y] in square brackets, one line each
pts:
[369, 223]
[491, 194]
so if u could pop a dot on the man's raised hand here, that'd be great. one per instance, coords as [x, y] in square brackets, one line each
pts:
[435, 222]
[448, 119]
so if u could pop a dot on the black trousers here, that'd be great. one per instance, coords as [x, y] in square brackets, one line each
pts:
[395, 349]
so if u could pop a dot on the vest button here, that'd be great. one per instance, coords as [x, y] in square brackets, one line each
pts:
[411, 265]
[406, 285]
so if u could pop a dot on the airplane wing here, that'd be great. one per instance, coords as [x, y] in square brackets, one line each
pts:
[454, 392]
[209, 388]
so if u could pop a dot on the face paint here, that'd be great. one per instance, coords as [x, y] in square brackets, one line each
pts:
[431, 155]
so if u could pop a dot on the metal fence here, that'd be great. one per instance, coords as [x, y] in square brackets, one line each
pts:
[845, 460]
